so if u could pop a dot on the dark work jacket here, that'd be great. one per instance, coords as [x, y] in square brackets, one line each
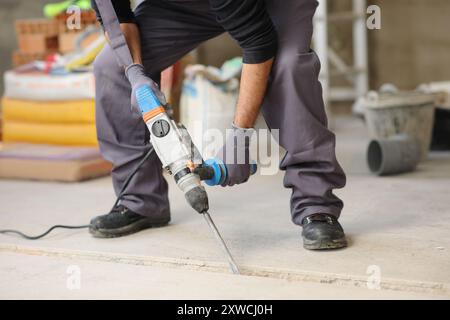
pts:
[247, 21]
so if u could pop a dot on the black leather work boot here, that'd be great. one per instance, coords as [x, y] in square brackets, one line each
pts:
[322, 232]
[121, 221]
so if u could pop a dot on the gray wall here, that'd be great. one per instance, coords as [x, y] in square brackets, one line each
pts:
[216, 51]
[413, 45]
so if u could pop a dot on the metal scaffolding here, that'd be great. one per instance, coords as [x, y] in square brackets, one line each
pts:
[356, 74]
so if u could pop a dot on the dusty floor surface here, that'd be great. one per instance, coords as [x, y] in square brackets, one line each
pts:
[398, 227]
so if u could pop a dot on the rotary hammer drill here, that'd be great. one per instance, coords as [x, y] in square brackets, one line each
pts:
[173, 145]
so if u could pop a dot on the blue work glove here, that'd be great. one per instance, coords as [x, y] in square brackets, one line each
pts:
[137, 77]
[235, 154]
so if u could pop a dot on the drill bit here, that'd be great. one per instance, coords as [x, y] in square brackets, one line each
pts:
[233, 266]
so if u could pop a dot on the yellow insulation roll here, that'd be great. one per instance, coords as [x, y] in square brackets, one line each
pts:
[75, 111]
[60, 134]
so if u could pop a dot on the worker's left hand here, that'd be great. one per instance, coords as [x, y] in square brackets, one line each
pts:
[235, 154]
[137, 77]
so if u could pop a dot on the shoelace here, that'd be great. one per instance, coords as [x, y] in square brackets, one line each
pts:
[324, 218]
[120, 209]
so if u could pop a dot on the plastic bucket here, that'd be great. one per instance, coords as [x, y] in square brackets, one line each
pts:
[388, 115]
[397, 154]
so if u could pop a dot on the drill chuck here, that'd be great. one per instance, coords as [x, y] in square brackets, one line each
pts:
[195, 194]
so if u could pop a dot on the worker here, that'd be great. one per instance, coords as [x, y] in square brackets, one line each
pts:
[279, 78]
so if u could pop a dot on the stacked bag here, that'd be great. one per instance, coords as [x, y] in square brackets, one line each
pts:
[49, 109]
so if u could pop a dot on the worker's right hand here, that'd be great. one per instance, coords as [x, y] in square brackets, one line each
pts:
[235, 154]
[137, 77]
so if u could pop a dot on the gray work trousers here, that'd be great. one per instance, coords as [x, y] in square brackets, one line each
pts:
[293, 104]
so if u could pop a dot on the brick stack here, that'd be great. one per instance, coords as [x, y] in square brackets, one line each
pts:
[36, 39]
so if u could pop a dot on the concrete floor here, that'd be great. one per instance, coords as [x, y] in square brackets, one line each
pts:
[398, 227]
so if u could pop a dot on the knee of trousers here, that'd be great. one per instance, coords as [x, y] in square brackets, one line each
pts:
[292, 61]
[296, 88]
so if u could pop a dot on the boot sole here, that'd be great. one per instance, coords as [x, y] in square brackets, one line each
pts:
[127, 230]
[325, 244]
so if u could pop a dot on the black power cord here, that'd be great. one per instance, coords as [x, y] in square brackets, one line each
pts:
[121, 194]
[45, 233]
